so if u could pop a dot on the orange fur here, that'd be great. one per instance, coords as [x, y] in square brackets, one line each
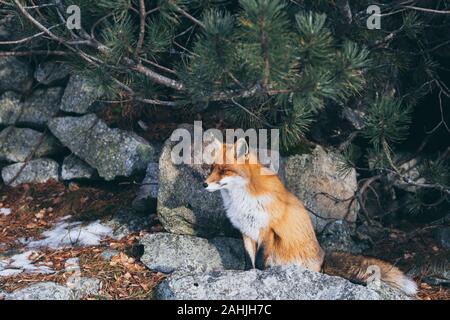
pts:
[289, 236]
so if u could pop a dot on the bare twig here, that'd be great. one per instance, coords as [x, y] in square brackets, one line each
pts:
[159, 66]
[30, 53]
[252, 114]
[265, 51]
[143, 100]
[361, 198]
[187, 15]
[442, 122]
[40, 6]
[158, 78]
[428, 10]
[95, 25]
[140, 42]
[23, 40]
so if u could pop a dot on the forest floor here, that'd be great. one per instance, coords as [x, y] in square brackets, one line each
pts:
[36, 209]
[33, 210]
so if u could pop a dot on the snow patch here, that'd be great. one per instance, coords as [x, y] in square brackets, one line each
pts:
[66, 234]
[10, 272]
[21, 263]
[72, 264]
[5, 211]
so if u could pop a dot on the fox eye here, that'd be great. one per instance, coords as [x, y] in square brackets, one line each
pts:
[225, 171]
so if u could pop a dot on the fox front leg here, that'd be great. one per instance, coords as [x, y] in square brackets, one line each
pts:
[260, 258]
[250, 249]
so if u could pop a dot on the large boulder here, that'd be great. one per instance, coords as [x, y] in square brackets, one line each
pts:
[325, 190]
[339, 235]
[42, 291]
[35, 111]
[184, 206]
[80, 94]
[15, 75]
[113, 152]
[81, 288]
[75, 168]
[18, 144]
[126, 221]
[148, 192]
[50, 72]
[279, 283]
[165, 252]
[35, 171]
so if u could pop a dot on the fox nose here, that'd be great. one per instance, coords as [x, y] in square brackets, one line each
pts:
[205, 185]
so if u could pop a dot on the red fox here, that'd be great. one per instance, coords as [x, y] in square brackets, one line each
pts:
[275, 225]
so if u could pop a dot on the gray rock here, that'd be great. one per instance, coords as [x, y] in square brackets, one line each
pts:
[184, 206]
[8, 27]
[35, 171]
[11, 108]
[86, 287]
[50, 72]
[108, 254]
[12, 28]
[79, 95]
[316, 179]
[17, 144]
[280, 283]
[15, 75]
[42, 105]
[112, 152]
[355, 117]
[127, 221]
[35, 111]
[338, 236]
[148, 192]
[42, 291]
[443, 236]
[165, 252]
[75, 168]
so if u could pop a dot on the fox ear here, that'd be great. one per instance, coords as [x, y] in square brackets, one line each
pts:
[241, 148]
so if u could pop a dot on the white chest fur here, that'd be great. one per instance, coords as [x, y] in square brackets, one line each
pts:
[245, 211]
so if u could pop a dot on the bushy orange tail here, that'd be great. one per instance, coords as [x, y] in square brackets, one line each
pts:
[359, 268]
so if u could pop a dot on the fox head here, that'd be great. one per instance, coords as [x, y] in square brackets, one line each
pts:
[234, 166]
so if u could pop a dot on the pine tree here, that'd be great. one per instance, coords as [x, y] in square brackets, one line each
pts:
[267, 63]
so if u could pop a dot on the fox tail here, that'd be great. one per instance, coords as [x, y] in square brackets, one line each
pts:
[359, 269]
